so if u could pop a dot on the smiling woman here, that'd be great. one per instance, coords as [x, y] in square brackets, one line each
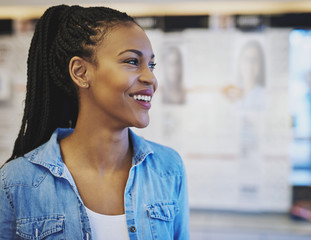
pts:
[77, 171]
[124, 65]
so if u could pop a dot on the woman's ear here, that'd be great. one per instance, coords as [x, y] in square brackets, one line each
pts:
[78, 72]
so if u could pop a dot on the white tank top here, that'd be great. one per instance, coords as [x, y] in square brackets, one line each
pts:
[106, 227]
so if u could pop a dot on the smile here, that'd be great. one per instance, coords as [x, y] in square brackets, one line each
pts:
[144, 98]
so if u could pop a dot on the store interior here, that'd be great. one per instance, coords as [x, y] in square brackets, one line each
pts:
[234, 100]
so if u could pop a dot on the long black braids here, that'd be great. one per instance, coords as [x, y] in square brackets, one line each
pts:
[52, 98]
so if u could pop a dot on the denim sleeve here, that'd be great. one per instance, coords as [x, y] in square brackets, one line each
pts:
[181, 224]
[7, 216]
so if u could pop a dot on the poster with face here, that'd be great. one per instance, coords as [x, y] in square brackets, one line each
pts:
[249, 80]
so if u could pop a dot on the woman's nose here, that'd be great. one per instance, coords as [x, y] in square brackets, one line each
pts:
[147, 77]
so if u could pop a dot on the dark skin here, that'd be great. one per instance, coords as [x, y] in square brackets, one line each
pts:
[98, 153]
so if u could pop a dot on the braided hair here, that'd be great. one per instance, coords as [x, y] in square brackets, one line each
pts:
[52, 98]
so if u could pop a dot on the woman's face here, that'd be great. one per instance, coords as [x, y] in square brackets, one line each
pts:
[122, 81]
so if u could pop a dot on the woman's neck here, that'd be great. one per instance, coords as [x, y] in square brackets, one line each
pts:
[99, 148]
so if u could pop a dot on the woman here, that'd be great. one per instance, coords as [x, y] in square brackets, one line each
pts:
[90, 69]
[250, 88]
[251, 75]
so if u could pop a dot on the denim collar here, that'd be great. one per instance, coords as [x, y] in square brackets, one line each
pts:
[141, 148]
[49, 155]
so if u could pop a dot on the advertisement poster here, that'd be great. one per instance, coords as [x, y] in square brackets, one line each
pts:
[223, 105]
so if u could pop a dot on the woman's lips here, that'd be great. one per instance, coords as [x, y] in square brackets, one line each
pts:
[146, 105]
[143, 97]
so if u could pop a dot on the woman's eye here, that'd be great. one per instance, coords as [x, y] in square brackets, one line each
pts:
[152, 66]
[132, 62]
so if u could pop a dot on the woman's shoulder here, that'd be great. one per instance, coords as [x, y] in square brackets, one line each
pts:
[21, 171]
[166, 159]
[164, 150]
[34, 165]
[144, 147]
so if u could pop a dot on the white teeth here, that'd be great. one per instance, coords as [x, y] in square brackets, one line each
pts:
[142, 98]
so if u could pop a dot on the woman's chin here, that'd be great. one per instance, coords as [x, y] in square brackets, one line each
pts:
[141, 123]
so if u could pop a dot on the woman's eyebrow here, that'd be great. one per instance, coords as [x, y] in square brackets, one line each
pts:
[139, 53]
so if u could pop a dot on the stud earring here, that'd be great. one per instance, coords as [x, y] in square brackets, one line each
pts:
[85, 85]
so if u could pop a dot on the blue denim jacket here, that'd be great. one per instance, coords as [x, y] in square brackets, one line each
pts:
[39, 199]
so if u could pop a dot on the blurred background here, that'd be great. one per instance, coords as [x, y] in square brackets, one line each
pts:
[234, 100]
